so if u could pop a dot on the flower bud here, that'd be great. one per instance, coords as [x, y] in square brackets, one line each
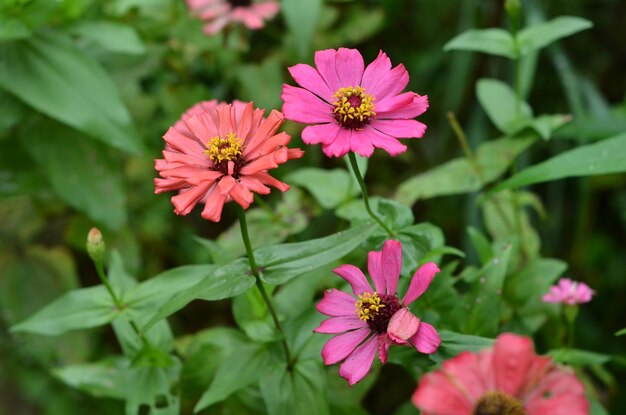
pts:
[95, 245]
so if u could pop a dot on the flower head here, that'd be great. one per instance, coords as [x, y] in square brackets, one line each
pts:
[569, 292]
[219, 13]
[353, 108]
[373, 319]
[509, 379]
[222, 152]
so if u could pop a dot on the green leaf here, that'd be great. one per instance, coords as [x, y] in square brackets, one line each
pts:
[80, 171]
[481, 244]
[458, 176]
[301, 28]
[454, 343]
[497, 42]
[499, 102]
[112, 36]
[280, 263]
[604, 157]
[242, 367]
[329, 187]
[152, 383]
[262, 83]
[621, 332]
[251, 314]
[78, 309]
[541, 35]
[578, 357]
[53, 76]
[396, 215]
[300, 392]
[219, 282]
[484, 302]
[103, 379]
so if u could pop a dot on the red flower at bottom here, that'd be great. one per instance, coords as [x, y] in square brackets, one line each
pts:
[221, 153]
[508, 379]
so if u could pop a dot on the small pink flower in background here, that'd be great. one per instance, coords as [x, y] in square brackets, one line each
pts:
[508, 379]
[222, 152]
[353, 108]
[372, 320]
[569, 292]
[217, 14]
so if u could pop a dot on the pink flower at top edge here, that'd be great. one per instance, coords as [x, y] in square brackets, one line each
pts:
[222, 152]
[219, 13]
[569, 292]
[352, 107]
[507, 379]
[371, 320]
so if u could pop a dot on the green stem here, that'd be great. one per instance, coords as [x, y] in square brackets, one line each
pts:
[118, 303]
[359, 179]
[255, 271]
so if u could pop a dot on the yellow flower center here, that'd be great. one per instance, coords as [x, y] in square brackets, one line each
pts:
[498, 403]
[368, 306]
[353, 106]
[224, 149]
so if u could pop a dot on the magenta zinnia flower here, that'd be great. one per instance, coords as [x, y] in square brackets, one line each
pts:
[374, 319]
[569, 292]
[508, 379]
[222, 152]
[219, 13]
[353, 108]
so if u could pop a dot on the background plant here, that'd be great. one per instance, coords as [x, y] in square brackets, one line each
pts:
[88, 89]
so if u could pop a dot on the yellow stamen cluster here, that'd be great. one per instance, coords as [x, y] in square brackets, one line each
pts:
[224, 149]
[368, 306]
[353, 104]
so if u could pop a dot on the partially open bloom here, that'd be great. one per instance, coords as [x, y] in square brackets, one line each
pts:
[569, 292]
[222, 152]
[219, 13]
[374, 319]
[509, 379]
[353, 108]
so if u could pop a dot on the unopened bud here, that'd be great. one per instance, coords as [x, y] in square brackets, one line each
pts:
[513, 9]
[95, 245]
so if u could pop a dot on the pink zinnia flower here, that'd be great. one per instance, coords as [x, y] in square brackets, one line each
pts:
[374, 319]
[219, 13]
[569, 292]
[353, 108]
[508, 379]
[222, 153]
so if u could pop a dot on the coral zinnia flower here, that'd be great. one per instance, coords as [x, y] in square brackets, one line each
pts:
[374, 319]
[508, 379]
[219, 13]
[569, 292]
[222, 154]
[352, 108]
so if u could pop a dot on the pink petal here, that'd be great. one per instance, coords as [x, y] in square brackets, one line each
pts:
[185, 202]
[340, 346]
[437, 394]
[355, 277]
[381, 82]
[182, 143]
[566, 404]
[512, 355]
[375, 271]
[400, 107]
[325, 63]
[241, 195]
[213, 206]
[403, 325]
[320, 133]
[266, 9]
[246, 16]
[361, 143]
[420, 282]
[556, 382]
[383, 347]
[466, 371]
[340, 146]
[386, 142]
[400, 128]
[349, 67]
[335, 325]
[358, 364]
[337, 303]
[308, 78]
[426, 340]
[391, 264]
[303, 106]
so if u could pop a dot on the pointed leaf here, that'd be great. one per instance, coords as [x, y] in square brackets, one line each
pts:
[497, 42]
[542, 34]
[499, 102]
